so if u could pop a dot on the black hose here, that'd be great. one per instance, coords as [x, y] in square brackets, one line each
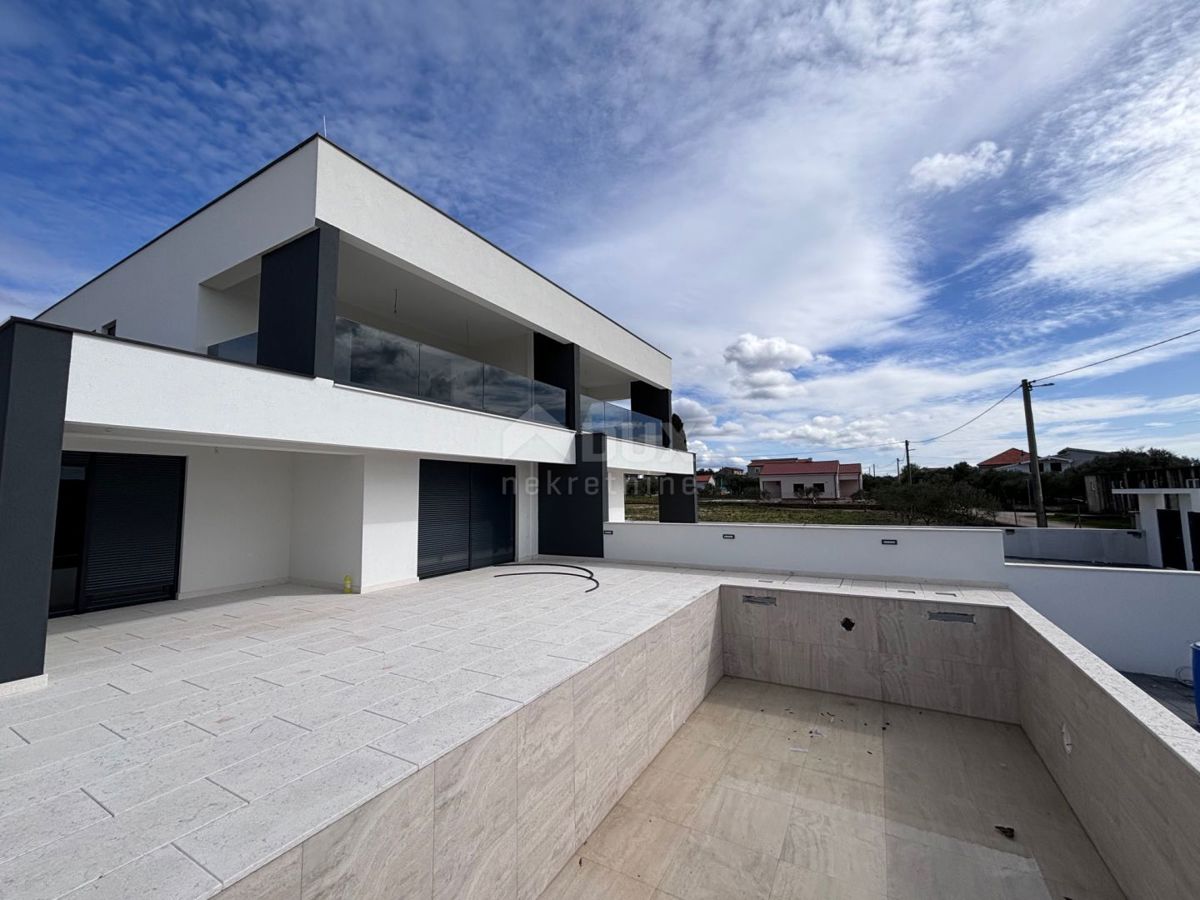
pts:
[590, 573]
[595, 583]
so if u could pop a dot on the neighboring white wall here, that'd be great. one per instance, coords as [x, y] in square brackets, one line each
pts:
[390, 493]
[965, 555]
[1109, 546]
[1148, 507]
[365, 205]
[120, 385]
[327, 519]
[616, 495]
[788, 483]
[848, 487]
[154, 294]
[237, 513]
[1137, 620]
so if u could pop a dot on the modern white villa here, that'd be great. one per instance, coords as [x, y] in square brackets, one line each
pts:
[315, 583]
[316, 378]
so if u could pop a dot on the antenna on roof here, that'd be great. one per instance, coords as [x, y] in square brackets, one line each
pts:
[324, 128]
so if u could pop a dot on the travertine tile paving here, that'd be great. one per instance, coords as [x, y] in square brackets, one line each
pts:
[180, 745]
[787, 794]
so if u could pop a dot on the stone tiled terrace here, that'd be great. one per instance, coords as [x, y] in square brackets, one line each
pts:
[181, 745]
[462, 737]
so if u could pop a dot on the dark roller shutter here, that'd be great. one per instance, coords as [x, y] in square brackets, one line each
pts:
[134, 518]
[1170, 536]
[1194, 525]
[443, 518]
[493, 531]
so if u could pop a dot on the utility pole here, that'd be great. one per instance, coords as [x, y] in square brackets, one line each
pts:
[1035, 465]
[897, 467]
[907, 461]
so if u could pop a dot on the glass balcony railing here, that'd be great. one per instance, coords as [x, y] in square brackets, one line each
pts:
[619, 422]
[372, 358]
[242, 349]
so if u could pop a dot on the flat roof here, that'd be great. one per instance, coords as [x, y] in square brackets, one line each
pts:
[318, 137]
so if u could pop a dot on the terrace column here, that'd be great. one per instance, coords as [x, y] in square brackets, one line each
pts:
[573, 500]
[558, 364]
[655, 402]
[677, 499]
[297, 298]
[34, 364]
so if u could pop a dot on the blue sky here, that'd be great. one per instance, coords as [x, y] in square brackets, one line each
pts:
[848, 223]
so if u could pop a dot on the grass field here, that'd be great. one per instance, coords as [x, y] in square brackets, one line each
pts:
[645, 509]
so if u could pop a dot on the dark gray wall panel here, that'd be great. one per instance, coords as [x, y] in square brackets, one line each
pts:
[34, 362]
[558, 364]
[677, 499]
[297, 300]
[573, 501]
[652, 401]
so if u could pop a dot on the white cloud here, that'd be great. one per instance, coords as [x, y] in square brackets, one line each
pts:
[699, 422]
[1125, 160]
[753, 353]
[950, 171]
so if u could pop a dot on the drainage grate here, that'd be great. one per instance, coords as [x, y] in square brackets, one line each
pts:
[969, 618]
[759, 599]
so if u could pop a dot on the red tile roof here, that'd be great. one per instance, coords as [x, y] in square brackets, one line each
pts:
[850, 469]
[1011, 456]
[805, 467]
[703, 477]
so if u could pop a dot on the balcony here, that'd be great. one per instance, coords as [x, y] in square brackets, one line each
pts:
[601, 417]
[369, 357]
[372, 358]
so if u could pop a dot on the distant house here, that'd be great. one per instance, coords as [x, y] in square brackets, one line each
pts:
[1016, 460]
[756, 465]
[1078, 457]
[705, 480]
[786, 479]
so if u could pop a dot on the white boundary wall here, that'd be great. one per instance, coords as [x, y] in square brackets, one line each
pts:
[964, 555]
[1111, 546]
[1137, 620]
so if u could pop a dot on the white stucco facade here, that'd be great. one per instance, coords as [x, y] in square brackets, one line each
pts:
[311, 478]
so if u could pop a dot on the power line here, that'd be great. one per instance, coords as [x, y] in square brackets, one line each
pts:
[1032, 381]
[970, 420]
[1118, 356]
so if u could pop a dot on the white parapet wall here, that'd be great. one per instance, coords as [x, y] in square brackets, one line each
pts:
[1137, 620]
[965, 555]
[1109, 546]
